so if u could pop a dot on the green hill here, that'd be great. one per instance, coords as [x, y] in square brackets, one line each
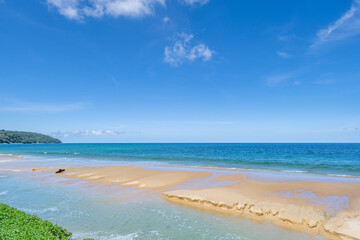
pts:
[25, 137]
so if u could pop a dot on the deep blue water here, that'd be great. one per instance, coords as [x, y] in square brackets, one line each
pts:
[342, 159]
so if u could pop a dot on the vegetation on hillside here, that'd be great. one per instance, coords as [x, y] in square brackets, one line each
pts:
[17, 225]
[25, 137]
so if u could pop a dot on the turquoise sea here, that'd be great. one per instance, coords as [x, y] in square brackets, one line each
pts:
[341, 159]
[106, 213]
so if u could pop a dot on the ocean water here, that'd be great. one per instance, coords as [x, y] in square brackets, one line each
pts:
[99, 212]
[339, 159]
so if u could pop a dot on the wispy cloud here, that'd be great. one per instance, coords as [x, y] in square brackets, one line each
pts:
[196, 122]
[323, 81]
[286, 37]
[193, 2]
[283, 54]
[66, 134]
[346, 26]
[79, 9]
[351, 129]
[286, 79]
[41, 107]
[352, 125]
[166, 19]
[183, 50]
[277, 79]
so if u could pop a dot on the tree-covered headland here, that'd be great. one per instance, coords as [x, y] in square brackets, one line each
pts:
[11, 137]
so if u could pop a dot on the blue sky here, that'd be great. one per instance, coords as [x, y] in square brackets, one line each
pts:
[181, 70]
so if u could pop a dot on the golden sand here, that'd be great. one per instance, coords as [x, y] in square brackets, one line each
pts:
[328, 209]
[137, 177]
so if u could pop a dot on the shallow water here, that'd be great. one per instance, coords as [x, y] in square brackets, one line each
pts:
[102, 213]
[90, 210]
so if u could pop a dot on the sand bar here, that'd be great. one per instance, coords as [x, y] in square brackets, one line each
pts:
[330, 209]
[125, 176]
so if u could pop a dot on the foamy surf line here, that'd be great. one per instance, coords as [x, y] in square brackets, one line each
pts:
[10, 156]
[270, 173]
[3, 193]
[39, 211]
[81, 161]
[100, 236]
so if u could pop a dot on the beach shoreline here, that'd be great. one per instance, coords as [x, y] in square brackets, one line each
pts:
[313, 176]
[321, 207]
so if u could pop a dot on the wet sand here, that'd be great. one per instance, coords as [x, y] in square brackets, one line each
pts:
[320, 208]
[9, 156]
[126, 176]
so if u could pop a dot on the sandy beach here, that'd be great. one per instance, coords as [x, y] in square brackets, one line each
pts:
[329, 209]
[128, 176]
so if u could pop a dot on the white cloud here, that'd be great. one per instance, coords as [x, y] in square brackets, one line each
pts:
[79, 9]
[346, 26]
[166, 19]
[184, 50]
[21, 106]
[65, 134]
[193, 2]
[200, 51]
[283, 54]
